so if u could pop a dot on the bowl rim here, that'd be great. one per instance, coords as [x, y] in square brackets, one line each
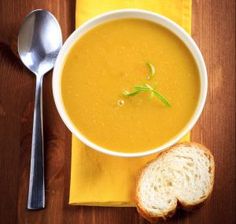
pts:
[119, 14]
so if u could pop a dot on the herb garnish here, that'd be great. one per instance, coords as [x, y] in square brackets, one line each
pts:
[147, 88]
[151, 70]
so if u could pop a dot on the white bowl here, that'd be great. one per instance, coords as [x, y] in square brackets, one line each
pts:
[121, 14]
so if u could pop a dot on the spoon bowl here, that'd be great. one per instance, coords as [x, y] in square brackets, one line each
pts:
[39, 41]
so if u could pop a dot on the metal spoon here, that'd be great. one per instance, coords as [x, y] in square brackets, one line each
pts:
[39, 43]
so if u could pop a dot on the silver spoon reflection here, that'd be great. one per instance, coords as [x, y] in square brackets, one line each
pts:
[39, 42]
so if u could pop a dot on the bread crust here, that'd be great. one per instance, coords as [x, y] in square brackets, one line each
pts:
[179, 204]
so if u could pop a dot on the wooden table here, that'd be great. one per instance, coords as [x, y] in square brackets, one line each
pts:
[214, 31]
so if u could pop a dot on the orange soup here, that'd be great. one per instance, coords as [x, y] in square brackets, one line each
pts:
[130, 85]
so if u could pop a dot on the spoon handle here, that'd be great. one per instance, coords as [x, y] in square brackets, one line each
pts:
[36, 194]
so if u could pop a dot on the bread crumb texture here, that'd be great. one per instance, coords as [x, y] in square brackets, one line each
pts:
[184, 174]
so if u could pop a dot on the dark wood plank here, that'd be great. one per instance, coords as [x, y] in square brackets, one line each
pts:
[17, 100]
[214, 31]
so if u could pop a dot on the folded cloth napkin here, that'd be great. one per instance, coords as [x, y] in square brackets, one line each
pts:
[98, 179]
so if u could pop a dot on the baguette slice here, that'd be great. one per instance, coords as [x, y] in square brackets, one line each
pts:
[182, 176]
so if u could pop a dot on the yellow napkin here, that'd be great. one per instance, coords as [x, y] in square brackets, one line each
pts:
[98, 179]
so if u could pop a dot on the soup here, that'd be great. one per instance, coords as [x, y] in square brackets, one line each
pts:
[130, 85]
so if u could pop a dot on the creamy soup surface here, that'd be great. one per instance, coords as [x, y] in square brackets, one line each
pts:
[112, 58]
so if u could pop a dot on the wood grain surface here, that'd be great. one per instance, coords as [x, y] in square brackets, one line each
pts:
[214, 31]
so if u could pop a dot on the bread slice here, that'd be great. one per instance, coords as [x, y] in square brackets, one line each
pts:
[181, 176]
